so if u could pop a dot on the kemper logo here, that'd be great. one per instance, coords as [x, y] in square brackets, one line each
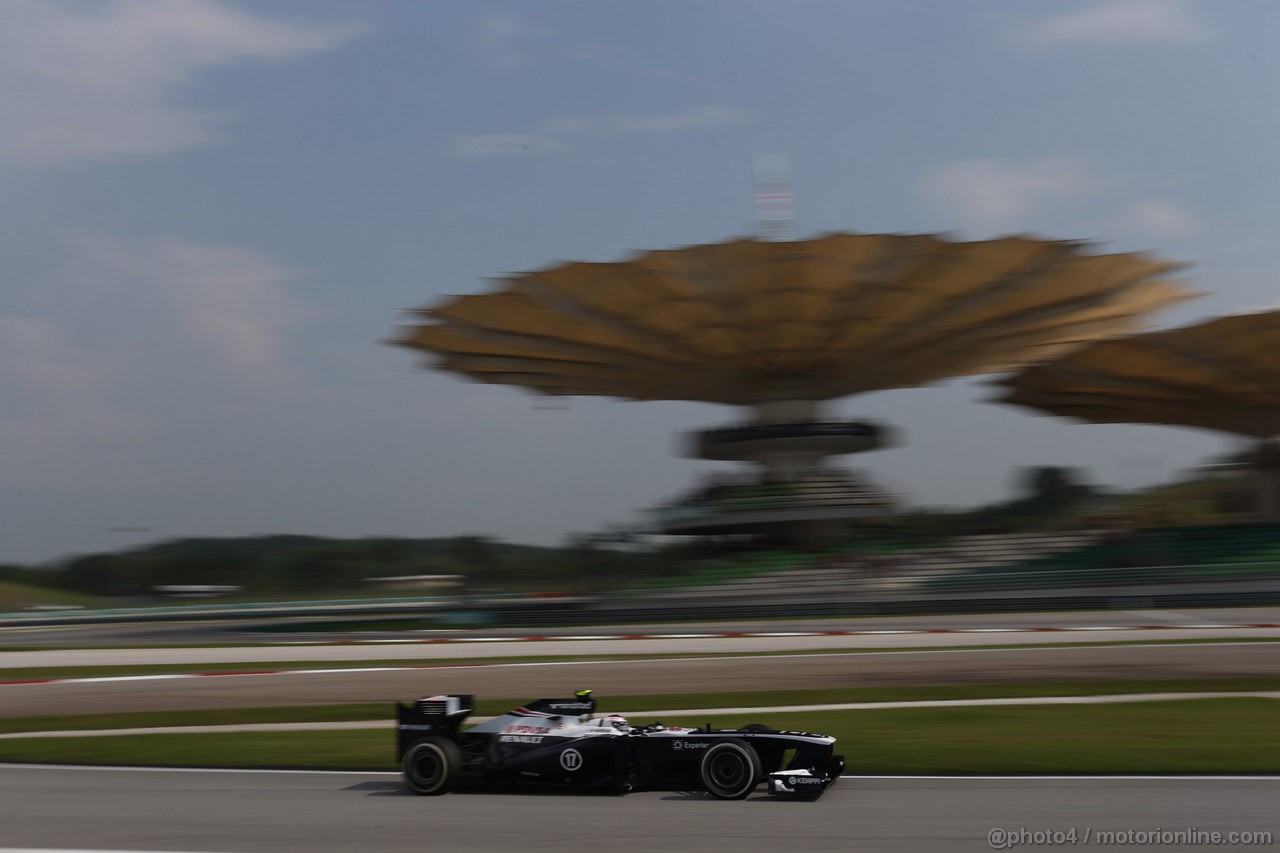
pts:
[571, 759]
[801, 781]
[570, 706]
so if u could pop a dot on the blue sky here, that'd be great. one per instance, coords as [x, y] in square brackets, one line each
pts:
[212, 211]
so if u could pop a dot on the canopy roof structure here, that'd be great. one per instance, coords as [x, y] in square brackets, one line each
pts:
[751, 321]
[1223, 374]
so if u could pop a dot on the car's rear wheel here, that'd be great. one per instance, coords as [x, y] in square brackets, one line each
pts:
[432, 766]
[730, 770]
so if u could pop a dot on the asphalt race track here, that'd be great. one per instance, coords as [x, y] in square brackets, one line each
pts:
[206, 811]
[238, 812]
[617, 678]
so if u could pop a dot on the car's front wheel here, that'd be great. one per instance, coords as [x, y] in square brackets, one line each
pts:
[730, 770]
[432, 766]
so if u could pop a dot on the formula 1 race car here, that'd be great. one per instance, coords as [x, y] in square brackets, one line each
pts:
[558, 742]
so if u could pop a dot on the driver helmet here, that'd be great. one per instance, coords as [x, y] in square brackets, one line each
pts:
[613, 721]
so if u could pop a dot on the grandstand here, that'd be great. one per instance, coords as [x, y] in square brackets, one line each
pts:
[1063, 560]
[813, 497]
[862, 569]
[780, 329]
[1173, 554]
[1220, 375]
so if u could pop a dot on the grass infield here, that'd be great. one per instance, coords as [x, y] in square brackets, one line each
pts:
[1191, 736]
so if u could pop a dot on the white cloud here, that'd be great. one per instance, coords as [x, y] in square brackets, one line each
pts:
[499, 40]
[128, 348]
[994, 194]
[561, 134]
[1158, 217]
[1113, 21]
[94, 81]
[232, 301]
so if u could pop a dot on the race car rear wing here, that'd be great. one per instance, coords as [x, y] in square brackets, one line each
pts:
[431, 715]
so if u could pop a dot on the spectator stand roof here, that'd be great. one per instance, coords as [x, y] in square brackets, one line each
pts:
[1223, 374]
[749, 321]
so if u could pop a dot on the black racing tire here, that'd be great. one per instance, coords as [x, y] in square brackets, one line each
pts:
[757, 727]
[432, 766]
[730, 770]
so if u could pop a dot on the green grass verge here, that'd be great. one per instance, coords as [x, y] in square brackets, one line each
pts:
[210, 717]
[1195, 736]
[664, 701]
[15, 596]
[21, 673]
[362, 750]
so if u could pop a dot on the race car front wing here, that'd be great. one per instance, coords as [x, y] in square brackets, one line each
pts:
[805, 784]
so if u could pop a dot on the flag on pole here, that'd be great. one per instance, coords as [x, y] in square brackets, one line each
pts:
[774, 201]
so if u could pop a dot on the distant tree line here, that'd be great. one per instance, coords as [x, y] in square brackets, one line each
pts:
[291, 565]
[1047, 497]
